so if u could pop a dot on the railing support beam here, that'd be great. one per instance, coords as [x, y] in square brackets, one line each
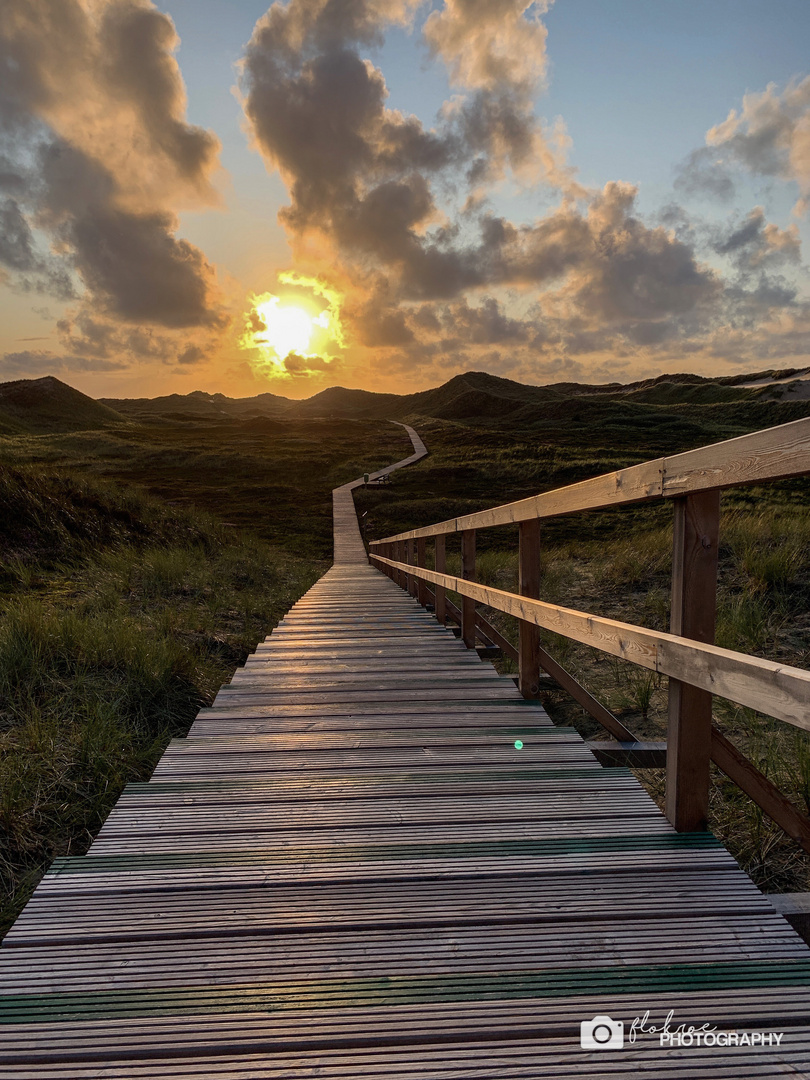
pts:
[468, 572]
[410, 558]
[440, 558]
[694, 606]
[529, 585]
[421, 560]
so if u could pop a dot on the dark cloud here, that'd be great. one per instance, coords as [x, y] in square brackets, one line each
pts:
[16, 238]
[372, 195]
[361, 175]
[34, 362]
[704, 173]
[143, 272]
[192, 354]
[92, 337]
[758, 244]
[33, 271]
[486, 324]
[381, 328]
[303, 366]
[769, 136]
[97, 158]
[136, 43]
[103, 78]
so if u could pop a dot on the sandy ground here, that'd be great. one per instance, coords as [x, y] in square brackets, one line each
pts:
[796, 388]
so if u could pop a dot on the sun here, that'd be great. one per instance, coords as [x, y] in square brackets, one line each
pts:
[294, 334]
[287, 329]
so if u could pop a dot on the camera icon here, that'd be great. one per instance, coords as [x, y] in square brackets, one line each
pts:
[601, 1033]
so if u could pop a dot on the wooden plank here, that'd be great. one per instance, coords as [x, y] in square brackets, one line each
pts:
[421, 554]
[694, 603]
[389, 881]
[410, 558]
[775, 689]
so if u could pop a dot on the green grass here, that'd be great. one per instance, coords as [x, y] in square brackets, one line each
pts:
[104, 656]
[275, 485]
[122, 613]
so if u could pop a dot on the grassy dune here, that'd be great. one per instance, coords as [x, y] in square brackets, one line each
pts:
[122, 614]
[140, 563]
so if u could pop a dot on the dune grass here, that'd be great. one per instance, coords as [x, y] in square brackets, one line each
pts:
[274, 484]
[111, 638]
[122, 612]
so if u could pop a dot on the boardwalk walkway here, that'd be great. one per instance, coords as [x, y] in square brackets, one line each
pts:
[372, 858]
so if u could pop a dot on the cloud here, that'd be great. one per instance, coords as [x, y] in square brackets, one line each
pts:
[102, 76]
[33, 271]
[486, 324]
[297, 365]
[768, 136]
[704, 173]
[491, 44]
[400, 215]
[361, 176]
[496, 50]
[36, 362]
[759, 244]
[90, 336]
[99, 160]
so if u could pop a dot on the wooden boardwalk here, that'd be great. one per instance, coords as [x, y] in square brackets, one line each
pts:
[372, 858]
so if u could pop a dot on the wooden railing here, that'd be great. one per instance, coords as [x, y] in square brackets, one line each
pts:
[697, 669]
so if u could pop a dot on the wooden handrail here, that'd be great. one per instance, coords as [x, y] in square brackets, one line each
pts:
[772, 454]
[776, 689]
[697, 669]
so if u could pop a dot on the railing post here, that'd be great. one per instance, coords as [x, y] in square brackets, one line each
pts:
[421, 586]
[402, 556]
[411, 560]
[468, 572]
[694, 605]
[529, 585]
[441, 568]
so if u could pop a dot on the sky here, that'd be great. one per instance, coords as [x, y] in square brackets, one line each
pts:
[236, 198]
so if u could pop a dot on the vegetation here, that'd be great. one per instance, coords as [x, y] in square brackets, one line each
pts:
[145, 548]
[121, 614]
[272, 479]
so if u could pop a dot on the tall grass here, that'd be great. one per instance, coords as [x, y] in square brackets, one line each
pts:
[111, 638]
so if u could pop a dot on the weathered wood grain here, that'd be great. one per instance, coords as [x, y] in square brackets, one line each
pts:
[775, 689]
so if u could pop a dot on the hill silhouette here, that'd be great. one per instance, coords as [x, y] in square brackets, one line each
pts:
[677, 406]
[41, 406]
[200, 405]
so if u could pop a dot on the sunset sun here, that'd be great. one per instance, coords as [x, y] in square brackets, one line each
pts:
[294, 334]
[287, 330]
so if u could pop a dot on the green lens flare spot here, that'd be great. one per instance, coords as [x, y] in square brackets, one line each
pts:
[518, 744]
